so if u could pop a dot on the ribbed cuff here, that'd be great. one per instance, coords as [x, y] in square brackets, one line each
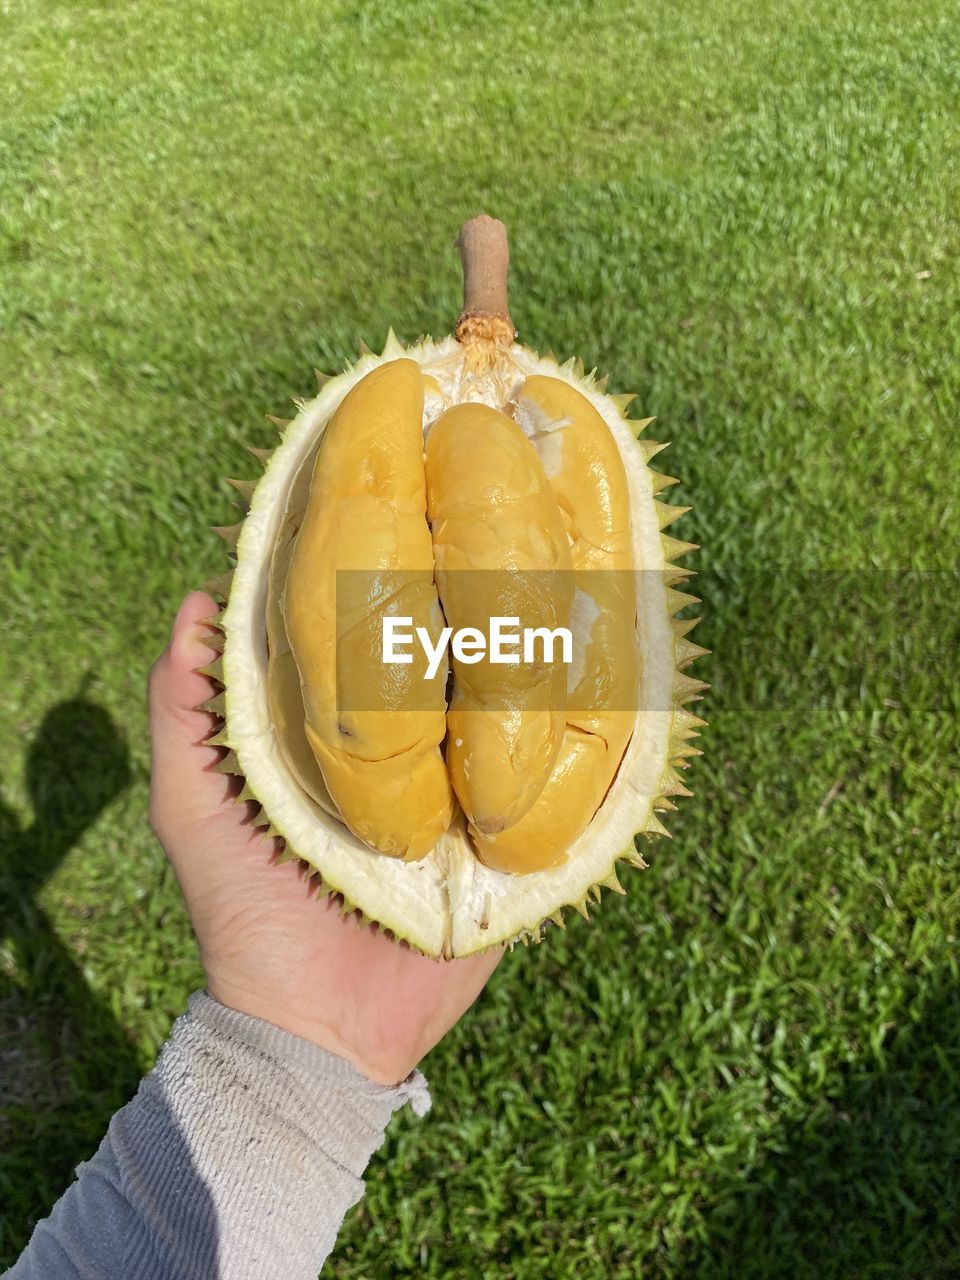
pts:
[334, 1102]
[251, 1142]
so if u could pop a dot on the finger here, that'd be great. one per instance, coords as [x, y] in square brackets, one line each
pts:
[177, 690]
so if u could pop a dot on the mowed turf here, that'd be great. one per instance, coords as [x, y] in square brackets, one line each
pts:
[747, 213]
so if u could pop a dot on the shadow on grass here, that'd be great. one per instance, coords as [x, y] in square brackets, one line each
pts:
[65, 1062]
[867, 1184]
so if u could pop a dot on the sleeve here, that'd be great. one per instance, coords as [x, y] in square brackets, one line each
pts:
[237, 1159]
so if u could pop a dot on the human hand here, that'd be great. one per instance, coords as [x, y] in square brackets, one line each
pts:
[268, 946]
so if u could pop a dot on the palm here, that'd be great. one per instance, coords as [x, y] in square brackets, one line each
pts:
[269, 946]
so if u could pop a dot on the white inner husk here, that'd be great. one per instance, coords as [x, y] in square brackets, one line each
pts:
[447, 903]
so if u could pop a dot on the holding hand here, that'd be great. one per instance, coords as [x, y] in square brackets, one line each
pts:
[269, 947]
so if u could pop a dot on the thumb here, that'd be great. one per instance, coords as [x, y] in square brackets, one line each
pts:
[176, 692]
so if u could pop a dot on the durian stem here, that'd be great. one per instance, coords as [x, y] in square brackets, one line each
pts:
[485, 256]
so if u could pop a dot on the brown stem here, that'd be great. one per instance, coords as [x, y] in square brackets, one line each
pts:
[486, 257]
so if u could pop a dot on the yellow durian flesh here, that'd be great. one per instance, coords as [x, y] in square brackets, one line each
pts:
[587, 476]
[500, 551]
[283, 679]
[529, 773]
[381, 763]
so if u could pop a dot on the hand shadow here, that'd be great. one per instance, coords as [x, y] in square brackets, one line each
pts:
[66, 1064]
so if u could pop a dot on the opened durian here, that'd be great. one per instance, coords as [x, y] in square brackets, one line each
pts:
[459, 799]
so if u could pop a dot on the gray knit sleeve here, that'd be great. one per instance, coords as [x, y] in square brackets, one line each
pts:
[237, 1159]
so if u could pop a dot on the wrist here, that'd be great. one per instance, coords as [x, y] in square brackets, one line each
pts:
[381, 1066]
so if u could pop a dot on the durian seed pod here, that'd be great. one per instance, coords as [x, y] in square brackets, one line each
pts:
[465, 812]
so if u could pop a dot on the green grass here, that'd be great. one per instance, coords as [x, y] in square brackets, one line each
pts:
[745, 211]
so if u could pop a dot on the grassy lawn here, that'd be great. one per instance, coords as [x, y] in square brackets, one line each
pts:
[746, 211]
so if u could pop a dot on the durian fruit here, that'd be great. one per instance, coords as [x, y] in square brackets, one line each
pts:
[459, 804]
